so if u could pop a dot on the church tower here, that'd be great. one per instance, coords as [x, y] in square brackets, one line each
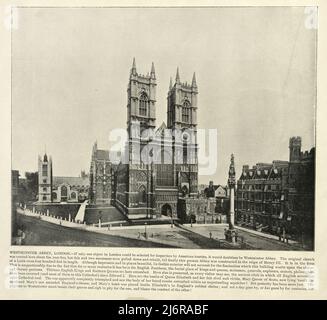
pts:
[141, 99]
[295, 149]
[45, 178]
[141, 115]
[182, 104]
[182, 120]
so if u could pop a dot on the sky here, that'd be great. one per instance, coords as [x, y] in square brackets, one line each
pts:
[255, 70]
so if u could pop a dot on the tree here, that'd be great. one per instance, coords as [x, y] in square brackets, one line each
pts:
[29, 188]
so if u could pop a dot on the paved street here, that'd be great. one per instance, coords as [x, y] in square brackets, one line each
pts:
[255, 241]
[40, 232]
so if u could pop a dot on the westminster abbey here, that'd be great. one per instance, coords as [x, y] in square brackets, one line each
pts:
[158, 170]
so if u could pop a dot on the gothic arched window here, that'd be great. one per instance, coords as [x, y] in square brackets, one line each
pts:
[44, 170]
[64, 191]
[185, 190]
[186, 112]
[143, 107]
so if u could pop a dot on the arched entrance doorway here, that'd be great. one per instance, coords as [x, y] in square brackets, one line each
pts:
[166, 210]
[142, 195]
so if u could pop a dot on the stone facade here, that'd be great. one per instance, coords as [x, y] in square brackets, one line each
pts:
[158, 166]
[220, 194]
[279, 195]
[101, 177]
[59, 189]
[70, 189]
[45, 179]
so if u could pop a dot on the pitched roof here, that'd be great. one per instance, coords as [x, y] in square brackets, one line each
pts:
[72, 181]
[161, 129]
[102, 154]
[220, 186]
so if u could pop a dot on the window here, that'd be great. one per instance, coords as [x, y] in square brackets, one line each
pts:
[165, 175]
[44, 170]
[44, 189]
[185, 190]
[186, 112]
[64, 191]
[143, 107]
[73, 195]
[44, 198]
[185, 153]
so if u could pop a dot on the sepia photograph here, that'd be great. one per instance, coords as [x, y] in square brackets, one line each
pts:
[164, 127]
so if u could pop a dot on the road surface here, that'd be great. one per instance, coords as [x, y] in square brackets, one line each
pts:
[40, 232]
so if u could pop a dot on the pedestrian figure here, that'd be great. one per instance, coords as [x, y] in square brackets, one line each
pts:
[210, 234]
[279, 233]
[283, 234]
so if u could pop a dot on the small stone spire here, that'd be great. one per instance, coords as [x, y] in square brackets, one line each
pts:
[45, 157]
[153, 72]
[178, 80]
[194, 85]
[133, 70]
[170, 84]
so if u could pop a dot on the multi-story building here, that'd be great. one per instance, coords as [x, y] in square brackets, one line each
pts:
[220, 194]
[278, 195]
